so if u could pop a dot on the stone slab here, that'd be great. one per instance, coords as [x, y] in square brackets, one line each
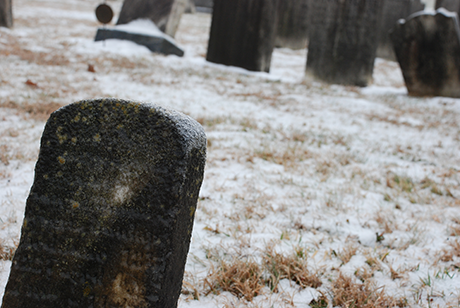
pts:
[109, 217]
[153, 40]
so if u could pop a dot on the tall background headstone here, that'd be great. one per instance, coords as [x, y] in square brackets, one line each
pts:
[293, 19]
[243, 33]
[428, 47]
[343, 40]
[393, 10]
[109, 217]
[6, 13]
[166, 14]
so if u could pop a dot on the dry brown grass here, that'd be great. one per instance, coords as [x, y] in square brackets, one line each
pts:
[292, 267]
[347, 253]
[38, 110]
[347, 293]
[242, 278]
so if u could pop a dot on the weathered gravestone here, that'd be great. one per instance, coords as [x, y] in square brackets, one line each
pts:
[450, 5]
[6, 13]
[343, 40]
[292, 28]
[394, 10]
[166, 14]
[427, 46]
[243, 33]
[109, 217]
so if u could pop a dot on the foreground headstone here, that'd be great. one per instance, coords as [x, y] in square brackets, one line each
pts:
[450, 5]
[343, 40]
[243, 33]
[142, 32]
[6, 13]
[166, 14]
[428, 47]
[292, 28]
[394, 10]
[109, 217]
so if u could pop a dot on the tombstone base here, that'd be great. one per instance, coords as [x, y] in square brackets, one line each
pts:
[156, 43]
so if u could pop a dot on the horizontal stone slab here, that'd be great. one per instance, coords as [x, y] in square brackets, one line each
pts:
[142, 32]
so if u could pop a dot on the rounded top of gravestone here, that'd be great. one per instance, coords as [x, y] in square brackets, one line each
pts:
[104, 13]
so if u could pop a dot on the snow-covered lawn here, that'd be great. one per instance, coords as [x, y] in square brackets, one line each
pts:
[312, 192]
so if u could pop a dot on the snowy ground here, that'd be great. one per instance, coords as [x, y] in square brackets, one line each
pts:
[315, 192]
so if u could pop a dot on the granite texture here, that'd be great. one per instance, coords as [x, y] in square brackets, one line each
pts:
[110, 213]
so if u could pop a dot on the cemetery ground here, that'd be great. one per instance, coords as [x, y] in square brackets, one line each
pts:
[313, 194]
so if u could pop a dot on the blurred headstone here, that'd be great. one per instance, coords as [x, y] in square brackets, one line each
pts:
[394, 10]
[427, 46]
[450, 5]
[243, 33]
[416, 6]
[142, 32]
[109, 217]
[6, 13]
[343, 40]
[292, 29]
[166, 14]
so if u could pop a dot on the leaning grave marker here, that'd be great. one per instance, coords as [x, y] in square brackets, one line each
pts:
[343, 40]
[427, 47]
[109, 217]
[166, 14]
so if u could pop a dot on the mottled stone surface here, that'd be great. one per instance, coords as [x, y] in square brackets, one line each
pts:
[109, 217]
[154, 43]
[428, 47]
[166, 14]
[243, 33]
[343, 40]
[6, 13]
[292, 28]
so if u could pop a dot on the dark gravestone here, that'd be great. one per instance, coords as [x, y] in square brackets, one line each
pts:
[6, 13]
[427, 46]
[450, 5]
[394, 10]
[292, 29]
[243, 33]
[153, 40]
[109, 217]
[166, 14]
[343, 40]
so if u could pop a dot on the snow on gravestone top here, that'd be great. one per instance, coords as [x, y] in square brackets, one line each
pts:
[109, 217]
[427, 46]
